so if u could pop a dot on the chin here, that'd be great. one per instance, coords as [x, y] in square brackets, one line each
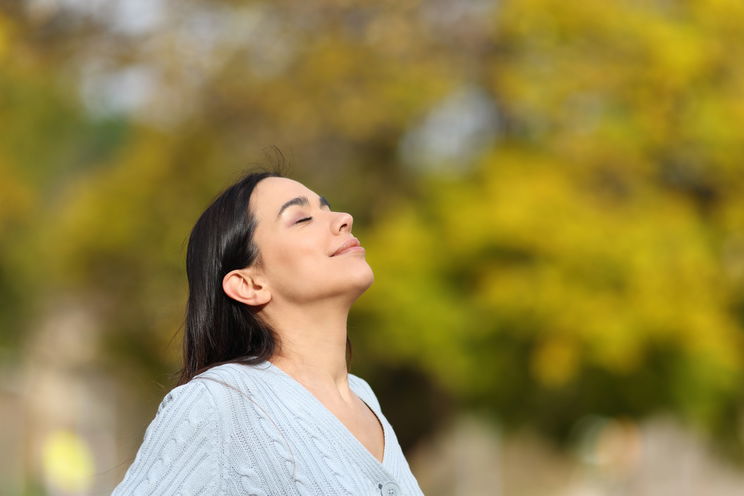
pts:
[362, 280]
[348, 283]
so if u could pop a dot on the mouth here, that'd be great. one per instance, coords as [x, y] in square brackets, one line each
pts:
[350, 245]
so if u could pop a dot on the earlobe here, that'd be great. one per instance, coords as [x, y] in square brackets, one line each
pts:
[245, 287]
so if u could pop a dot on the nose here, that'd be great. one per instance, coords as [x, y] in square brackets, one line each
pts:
[342, 222]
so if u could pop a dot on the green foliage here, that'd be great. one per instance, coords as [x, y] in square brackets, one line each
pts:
[521, 286]
[593, 260]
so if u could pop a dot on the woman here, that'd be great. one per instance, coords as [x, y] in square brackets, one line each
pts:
[265, 405]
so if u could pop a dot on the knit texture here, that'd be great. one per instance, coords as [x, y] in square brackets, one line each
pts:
[255, 430]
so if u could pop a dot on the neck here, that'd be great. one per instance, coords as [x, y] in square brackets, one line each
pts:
[312, 346]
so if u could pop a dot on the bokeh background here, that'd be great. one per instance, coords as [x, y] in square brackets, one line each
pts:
[549, 191]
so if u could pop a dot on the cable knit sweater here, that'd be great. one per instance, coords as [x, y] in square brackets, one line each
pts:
[255, 430]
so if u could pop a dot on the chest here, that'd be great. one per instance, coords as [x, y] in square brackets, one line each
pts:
[305, 451]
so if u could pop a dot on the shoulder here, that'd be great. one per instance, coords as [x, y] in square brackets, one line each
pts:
[233, 375]
[207, 401]
[229, 381]
[189, 398]
[185, 409]
[234, 370]
[204, 392]
[185, 432]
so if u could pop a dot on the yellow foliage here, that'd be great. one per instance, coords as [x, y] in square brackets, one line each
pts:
[16, 198]
[5, 36]
[68, 462]
[593, 281]
[554, 362]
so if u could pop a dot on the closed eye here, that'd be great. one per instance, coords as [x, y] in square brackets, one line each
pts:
[304, 219]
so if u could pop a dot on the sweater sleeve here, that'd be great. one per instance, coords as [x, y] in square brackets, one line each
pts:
[181, 450]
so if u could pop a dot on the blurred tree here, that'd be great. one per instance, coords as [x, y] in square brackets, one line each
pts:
[46, 140]
[544, 298]
[592, 263]
[549, 191]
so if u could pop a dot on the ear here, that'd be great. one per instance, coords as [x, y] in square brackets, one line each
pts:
[245, 286]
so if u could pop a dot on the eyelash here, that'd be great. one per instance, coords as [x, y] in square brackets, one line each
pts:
[304, 219]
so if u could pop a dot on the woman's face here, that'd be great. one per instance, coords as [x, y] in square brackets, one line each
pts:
[306, 250]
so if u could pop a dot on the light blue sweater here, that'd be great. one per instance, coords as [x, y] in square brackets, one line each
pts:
[255, 430]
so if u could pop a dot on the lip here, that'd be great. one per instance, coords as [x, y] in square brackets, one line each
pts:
[351, 244]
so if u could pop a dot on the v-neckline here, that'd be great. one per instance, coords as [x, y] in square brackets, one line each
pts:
[344, 428]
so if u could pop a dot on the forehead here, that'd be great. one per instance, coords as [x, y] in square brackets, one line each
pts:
[271, 193]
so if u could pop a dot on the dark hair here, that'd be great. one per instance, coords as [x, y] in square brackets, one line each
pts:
[219, 329]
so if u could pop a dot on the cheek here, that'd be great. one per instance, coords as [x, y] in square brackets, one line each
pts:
[293, 262]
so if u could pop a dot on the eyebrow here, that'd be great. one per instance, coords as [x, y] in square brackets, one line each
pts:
[301, 201]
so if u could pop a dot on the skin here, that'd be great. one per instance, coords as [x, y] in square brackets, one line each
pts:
[305, 291]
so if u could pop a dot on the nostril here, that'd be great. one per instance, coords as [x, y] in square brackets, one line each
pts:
[345, 222]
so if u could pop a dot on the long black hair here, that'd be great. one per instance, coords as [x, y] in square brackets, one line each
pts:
[219, 329]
